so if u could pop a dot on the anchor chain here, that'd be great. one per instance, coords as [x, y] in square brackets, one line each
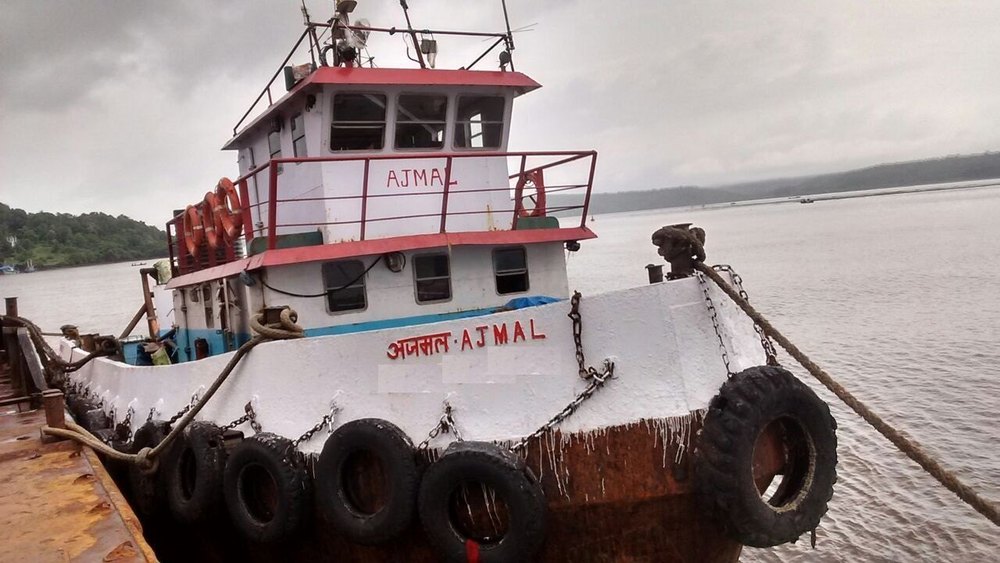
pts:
[445, 425]
[596, 382]
[710, 305]
[325, 422]
[596, 378]
[250, 417]
[765, 342]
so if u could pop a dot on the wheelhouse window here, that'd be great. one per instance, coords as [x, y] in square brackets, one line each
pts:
[510, 267]
[479, 122]
[298, 135]
[432, 274]
[274, 146]
[358, 122]
[344, 281]
[421, 121]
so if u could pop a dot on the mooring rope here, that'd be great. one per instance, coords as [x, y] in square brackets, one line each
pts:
[147, 458]
[909, 447]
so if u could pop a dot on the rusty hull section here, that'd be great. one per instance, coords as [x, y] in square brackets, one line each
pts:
[620, 495]
[57, 503]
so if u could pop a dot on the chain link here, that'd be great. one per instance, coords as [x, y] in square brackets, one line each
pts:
[596, 382]
[250, 417]
[326, 421]
[127, 421]
[445, 424]
[715, 322]
[765, 342]
[597, 378]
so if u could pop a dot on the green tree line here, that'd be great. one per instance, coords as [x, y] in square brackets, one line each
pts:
[59, 239]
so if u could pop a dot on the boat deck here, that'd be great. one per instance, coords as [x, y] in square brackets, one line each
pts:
[57, 502]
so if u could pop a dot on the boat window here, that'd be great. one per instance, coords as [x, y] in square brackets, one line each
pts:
[298, 135]
[420, 121]
[344, 281]
[432, 274]
[479, 122]
[510, 266]
[358, 122]
[274, 145]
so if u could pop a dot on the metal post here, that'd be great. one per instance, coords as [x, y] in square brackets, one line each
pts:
[52, 399]
[272, 206]
[11, 303]
[444, 197]
[147, 296]
[364, 199]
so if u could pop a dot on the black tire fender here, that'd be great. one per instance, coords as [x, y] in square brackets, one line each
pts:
[394, 451]
[148, 489]
[194, 476]
[267, 488]
[513, 484]
[748, 403]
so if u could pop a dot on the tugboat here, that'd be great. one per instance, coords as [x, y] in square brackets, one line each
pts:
[373, 332]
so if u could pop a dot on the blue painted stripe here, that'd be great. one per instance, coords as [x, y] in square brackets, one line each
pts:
[398, 322]
[518, 303]
[186, 337]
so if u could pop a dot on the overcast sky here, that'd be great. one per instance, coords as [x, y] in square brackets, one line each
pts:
[122, 106]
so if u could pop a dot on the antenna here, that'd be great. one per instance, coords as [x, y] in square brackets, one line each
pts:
[413, 34]
[510, 38]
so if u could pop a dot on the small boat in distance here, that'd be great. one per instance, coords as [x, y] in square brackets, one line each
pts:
[806, 200]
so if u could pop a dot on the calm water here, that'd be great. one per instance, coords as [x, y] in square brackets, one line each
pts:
[898, 297]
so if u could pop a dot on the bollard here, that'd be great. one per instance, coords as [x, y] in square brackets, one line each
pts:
[655, 272]
[55, 415]
[11, 303]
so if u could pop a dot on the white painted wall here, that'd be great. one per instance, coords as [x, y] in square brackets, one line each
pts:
[391, 194]
[392, 295]
[660, 336]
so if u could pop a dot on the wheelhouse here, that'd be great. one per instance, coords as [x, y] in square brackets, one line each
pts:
[374, 198]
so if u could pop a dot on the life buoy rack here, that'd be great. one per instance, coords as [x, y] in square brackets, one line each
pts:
[194, 231]
[512, 482]
[210, 220]
[765, 422]
[267, 488]
[194, 474]
[227, 209]
[536, 179]
[369, 521]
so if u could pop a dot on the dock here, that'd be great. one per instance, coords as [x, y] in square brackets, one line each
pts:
[57, 502]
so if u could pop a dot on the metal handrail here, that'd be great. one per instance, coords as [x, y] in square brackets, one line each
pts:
[271, 205]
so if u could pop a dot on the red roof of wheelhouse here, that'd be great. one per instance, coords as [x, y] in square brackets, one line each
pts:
[517, 81]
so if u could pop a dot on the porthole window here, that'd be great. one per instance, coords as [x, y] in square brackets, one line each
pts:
[479, 122]
[510, 268]
[432, 277]
[344, 281]
[358, 122]
[420, 121]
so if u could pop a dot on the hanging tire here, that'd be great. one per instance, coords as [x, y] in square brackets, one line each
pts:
[194, 476]
[96, 419]
[757, 411]
[266, 487]
[363, 507]
[148, 489]
[516, 495]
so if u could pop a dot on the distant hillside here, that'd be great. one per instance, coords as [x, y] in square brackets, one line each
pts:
[51, 240]
[914, 173]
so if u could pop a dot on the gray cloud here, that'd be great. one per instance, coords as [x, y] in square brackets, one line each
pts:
[122, 106]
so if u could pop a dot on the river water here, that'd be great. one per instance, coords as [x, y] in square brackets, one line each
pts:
[897, 296]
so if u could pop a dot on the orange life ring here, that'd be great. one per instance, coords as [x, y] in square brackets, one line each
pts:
[537, 180]
[194, 231]
[227, 211]
[210, 219]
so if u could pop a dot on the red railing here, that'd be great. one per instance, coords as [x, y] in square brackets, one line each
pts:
[575, 177]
